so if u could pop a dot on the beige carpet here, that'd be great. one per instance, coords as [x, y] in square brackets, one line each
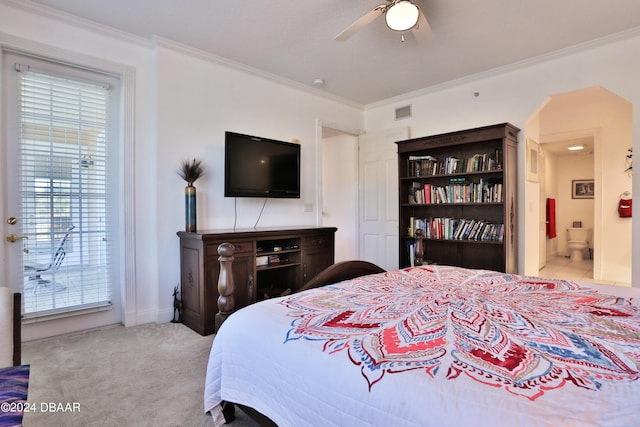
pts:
[148, 375]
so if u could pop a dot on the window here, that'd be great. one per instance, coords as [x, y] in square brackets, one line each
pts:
[65, 154]
[52, 207]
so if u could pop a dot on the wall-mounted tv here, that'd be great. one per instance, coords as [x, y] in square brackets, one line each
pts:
[260, 167]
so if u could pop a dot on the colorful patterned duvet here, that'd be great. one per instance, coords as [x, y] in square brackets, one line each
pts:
[14, 387]
[434, 346]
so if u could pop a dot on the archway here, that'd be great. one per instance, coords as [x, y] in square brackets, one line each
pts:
[597, 115]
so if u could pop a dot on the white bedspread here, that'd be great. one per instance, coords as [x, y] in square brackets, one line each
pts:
[475, 348]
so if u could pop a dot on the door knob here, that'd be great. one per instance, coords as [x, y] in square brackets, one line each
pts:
[12, 238]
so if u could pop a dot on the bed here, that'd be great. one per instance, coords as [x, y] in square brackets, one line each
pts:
[433, 346]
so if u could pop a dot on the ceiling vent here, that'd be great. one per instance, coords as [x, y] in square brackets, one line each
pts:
[403, 112]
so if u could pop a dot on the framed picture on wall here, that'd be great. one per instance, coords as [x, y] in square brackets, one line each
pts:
[582, 189]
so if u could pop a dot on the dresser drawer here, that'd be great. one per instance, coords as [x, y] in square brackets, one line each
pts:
[241, 248]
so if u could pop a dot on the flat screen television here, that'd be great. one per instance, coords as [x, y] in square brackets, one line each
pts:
[260, 167]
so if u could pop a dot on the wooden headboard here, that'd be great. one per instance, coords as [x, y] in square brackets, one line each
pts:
[340, 271]
[335, 273]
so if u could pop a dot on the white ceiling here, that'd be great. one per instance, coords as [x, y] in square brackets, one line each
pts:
[561, 148]
[293, 39]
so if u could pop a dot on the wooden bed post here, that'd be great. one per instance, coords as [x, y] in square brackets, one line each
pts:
[17, 329]
[226, 287]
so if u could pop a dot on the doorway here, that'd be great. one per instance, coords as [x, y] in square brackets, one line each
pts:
[338, 206]
[61, 142]
[587, 115]
[568, 159]
[358, 188]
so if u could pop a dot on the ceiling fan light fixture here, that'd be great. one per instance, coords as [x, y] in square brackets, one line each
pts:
[402, 15]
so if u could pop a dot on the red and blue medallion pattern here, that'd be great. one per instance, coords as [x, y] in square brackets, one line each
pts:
[526, 335]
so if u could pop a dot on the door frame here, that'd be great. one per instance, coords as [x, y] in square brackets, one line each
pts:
[127, 261]
[319, 202]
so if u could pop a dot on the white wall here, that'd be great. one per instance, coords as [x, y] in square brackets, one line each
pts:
[197, 101]
[514, 93]
[184, 101]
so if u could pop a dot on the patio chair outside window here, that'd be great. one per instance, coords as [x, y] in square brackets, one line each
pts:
[35, 278]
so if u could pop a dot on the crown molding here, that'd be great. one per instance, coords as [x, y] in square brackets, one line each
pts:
[158, 41]
[155, 41]
[67, 18]
[124, 36]
[561, 53]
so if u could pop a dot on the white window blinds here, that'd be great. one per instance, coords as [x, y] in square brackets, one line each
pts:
[63, 134]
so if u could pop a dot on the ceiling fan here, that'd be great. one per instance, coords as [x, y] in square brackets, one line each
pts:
[400, 15]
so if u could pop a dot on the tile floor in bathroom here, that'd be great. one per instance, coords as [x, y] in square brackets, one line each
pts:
[561, 267]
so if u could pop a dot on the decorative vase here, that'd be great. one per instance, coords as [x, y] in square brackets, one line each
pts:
[190, 208]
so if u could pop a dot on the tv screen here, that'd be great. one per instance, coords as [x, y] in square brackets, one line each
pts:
[260, 167]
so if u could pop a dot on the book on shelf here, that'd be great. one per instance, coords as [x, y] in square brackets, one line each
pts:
[451, 165]
[418, 166]
[498, 158]
[421, 165]
[458, 191]
[449, 228]
[412, 254]
[425, 157]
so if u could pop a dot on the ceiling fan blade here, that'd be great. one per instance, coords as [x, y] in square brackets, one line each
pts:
[361, 23]
[422, 31]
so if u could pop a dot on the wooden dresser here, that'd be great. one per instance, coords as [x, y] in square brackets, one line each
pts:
[267, 263]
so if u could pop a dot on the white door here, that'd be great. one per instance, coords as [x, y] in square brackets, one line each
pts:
[378, 165]
[58, 201]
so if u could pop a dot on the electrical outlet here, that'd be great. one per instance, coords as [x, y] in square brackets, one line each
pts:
[308, 207]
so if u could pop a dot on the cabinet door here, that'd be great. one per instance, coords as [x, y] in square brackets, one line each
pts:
[315, 262]
[192, 292]
[318, 254]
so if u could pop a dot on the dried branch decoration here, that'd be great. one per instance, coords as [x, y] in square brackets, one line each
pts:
[191, 170]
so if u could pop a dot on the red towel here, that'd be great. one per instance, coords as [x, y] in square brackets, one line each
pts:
[551, 218]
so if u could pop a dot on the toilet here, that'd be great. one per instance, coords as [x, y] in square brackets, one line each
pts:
[578, 241]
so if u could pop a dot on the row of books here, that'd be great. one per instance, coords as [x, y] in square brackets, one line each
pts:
[447, 228]
[429, 165]
[456, 192]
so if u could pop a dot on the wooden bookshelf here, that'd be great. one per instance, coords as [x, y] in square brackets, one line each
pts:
[460, 189]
